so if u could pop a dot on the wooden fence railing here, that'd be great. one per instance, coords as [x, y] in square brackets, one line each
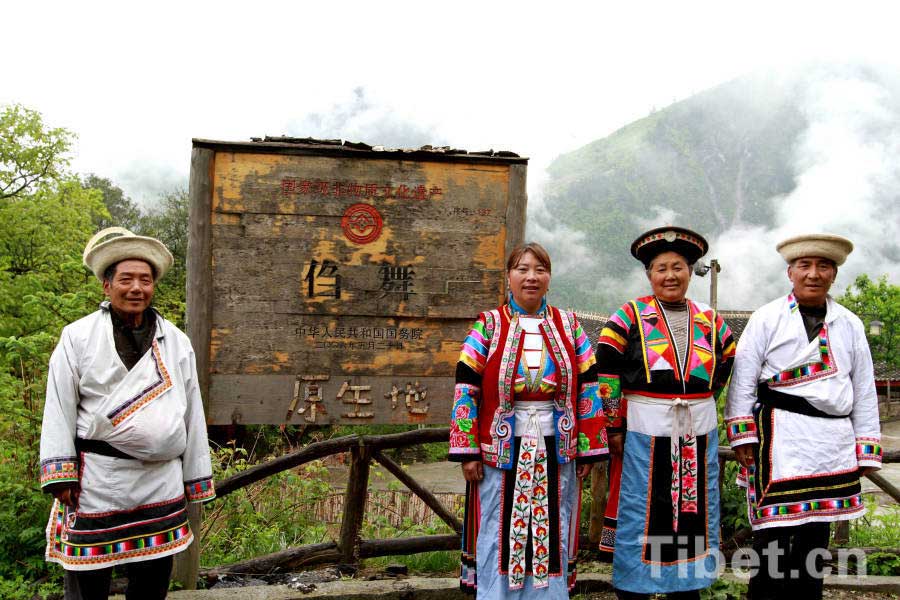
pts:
[349, 548]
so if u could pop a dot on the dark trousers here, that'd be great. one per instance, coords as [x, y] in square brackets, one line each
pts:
[692, 595]
[791, 573]
[147, 580]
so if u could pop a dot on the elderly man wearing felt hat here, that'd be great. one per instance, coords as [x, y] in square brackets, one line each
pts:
[802, 416]
[123, 443]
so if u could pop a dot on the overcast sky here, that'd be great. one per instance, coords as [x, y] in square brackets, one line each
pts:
[137, 81]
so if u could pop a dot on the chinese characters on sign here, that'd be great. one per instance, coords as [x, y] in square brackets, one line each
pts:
[292, 186]
[327, 271]
[357, 400]
[323, 280]
[396, 280]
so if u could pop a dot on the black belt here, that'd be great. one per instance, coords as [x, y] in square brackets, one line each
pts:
[795, 404]
[98, 447]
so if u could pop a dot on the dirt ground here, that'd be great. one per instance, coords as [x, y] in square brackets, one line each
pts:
[828, 595]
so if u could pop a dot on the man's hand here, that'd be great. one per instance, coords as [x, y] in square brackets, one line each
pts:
[616, 443]
[584, 470]
[66, 494]
[473, 471]
[863, 471]
[744, 454]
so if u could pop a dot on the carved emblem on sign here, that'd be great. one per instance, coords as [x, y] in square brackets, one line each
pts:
[361, 223]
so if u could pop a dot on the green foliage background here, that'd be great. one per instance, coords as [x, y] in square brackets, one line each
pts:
[47, 215]
[718, 157]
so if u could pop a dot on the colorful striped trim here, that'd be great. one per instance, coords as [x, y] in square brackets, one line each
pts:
[793, 306]
[62, 468]
[869, 449]
[199, 490]
[811, 371]
[670, 236]
[151, 392]
[740, 428]
[803, 509]
[475, 347]
[584, 352]
[109, 553]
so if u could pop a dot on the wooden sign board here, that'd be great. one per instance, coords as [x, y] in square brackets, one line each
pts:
[335, 284]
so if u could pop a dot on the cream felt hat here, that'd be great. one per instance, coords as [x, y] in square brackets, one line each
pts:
[98, 256]
[822, 245]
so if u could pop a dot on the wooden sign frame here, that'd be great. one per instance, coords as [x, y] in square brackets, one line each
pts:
[420, 238]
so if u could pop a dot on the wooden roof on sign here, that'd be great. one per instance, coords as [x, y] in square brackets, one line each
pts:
[343, 148]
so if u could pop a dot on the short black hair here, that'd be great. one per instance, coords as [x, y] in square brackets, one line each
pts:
[110, 271]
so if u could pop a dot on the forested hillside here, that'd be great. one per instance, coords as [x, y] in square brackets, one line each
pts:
[708, 163]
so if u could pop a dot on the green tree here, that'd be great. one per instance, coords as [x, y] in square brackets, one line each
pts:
[123, 211]
[46, 217]
[877, 301]
[168, 222]
[30, 152]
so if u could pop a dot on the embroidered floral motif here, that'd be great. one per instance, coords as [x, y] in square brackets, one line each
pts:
[683, 455]
[464, 422]
[530, 511]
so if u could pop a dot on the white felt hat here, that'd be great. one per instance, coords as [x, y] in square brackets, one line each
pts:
[822, 245]
[98, 256]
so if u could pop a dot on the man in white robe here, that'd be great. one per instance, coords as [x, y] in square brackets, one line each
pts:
[123, 442]
[802, 416]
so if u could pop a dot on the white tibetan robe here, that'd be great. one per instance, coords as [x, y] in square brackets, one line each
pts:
[129, 509]
[806, 469]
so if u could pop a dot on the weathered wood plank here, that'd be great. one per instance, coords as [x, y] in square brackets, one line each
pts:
[318, 397]
[285, 560]
[412, 545]
[199, 297]
[515, 210]
[326, 448]
[355, 503]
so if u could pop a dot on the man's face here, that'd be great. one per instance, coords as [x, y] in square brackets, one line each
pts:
[131, 288]
[812, 278]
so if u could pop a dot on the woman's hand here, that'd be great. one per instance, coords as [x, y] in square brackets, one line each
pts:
[616, 443]
[473, 471]
[584, 470]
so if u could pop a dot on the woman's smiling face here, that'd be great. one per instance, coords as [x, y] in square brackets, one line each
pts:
[528, 282]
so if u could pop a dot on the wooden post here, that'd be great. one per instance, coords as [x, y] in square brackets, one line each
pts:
[186, 569]
[599, 480]
[354, 504]
[841, 532]
[199, 318]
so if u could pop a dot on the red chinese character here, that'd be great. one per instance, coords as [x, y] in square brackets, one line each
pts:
[435, 191]
[304, 186]
[388, 192]
[322, 187]
[354, 189]
[371, 190]
[339, 189]
[288, 186]
[403, 192]
[420, 192]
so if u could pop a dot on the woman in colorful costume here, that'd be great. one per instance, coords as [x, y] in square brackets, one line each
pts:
[526, 409]
[661, 359]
